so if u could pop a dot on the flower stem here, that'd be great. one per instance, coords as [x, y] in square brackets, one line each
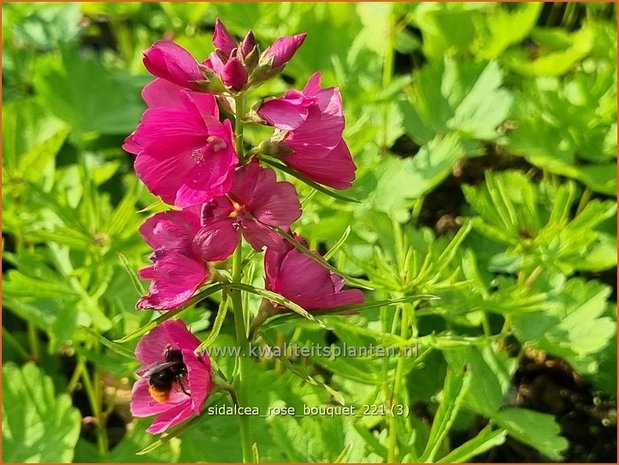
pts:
[95, 405]
[238, 126]
[392, 452]
[237, 304]
[33, 340]
[242, 342]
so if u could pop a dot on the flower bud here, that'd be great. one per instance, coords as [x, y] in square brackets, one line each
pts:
[222, 39]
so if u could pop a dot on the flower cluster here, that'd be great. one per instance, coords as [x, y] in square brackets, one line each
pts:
[189, 151]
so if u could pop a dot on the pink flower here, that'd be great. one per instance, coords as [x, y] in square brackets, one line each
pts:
[185, 154]
[283, 49]
[255, 202]
[313, 122]
[297, 277]
[177, 272]
[174, 382]
[170, 61]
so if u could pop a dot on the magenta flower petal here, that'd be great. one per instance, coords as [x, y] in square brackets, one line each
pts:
[265, 202]
[162, 93]
[320, 130]
[312, 87]
[259, 236]
[171, 125]
[314, 121]
[283, 114]
[335, 169]
[215, 63]
[283, 49]
[200, 383]
[142, 404]
[201, 106]
[222, 39]
[234, 74]
[248, 44]
[188, 395]
[207, 181]
[171, 417]
[185, 154]
[270, 201]
[175, 279]
[163, 176]
[255, 202]
[216, 240]
[172, 333]
[304, 281]
[170, 61]
[130, 145]
[173, 230]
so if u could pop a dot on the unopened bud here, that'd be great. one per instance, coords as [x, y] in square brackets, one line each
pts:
[211, 83]
[264, 72]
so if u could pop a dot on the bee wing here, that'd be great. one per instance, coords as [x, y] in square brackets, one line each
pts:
[149, 370]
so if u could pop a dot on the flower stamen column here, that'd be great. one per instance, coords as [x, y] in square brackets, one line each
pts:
[237, 304]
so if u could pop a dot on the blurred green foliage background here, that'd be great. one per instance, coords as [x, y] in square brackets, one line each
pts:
[485, 136]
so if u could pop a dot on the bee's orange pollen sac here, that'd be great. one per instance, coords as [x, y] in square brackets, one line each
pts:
[159, 396]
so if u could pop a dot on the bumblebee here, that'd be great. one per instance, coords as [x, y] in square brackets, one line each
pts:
[162, 375]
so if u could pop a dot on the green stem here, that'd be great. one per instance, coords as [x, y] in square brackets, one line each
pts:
[33, 340]
[243, 343]
[238, 126]
[395, 393]
[75, 377]
[95, 405]
[237, 304]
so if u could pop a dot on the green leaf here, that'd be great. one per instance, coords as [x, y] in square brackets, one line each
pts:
[573, 328]
[569, 126]
[402, 180]
[552, 61]
[491, 373]
[19, 285]
[306, 439]
[538, 430]
[456, 387]
[47, 26]
[487, 439]
[466, 98]
[503, 28]
[280, 319]
[446, 28]
[301, 373]
[37, 426]
[534, 220]
[168, 436]
[82, 92]
[31, 138]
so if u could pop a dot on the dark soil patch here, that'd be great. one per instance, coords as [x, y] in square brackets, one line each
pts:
[588, 419]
